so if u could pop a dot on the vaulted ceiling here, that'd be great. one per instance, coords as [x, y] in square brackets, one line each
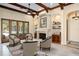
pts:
[34, 8]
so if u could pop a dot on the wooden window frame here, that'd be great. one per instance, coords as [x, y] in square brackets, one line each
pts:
[10, 27]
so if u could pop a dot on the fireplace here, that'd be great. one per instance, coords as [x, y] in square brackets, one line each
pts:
[42, 36]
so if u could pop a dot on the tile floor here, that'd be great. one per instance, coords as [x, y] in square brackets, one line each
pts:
[59, 50]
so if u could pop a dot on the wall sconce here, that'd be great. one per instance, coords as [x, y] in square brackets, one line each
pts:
[57, 18]
[76, 17]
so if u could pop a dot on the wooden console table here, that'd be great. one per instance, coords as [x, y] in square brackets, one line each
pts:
[56, 38]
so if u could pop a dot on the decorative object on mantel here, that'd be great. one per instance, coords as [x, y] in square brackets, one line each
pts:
[56, 25]
[43, 22]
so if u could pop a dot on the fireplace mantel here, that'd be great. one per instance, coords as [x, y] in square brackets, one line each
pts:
[43, 30]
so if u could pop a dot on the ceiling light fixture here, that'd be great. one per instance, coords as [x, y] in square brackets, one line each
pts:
[76, 17]
[29, 11]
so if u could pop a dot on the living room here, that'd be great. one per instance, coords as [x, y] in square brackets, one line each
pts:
[52, 21]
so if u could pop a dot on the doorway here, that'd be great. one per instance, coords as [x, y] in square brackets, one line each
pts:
[73, 28]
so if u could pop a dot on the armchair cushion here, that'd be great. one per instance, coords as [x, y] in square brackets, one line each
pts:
[46, 43]
[46, 39]
[30, 48]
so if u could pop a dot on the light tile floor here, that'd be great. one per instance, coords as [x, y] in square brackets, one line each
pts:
[59, 50]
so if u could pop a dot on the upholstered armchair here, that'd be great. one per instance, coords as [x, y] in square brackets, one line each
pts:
[46, 43]
[5, 39]
[22, 36]
[30, 48]
[29, 36]
[13, 40]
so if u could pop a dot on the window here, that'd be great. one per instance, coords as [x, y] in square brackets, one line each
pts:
[20, 28]
[13, 27]
[26, 27]
[5, 27]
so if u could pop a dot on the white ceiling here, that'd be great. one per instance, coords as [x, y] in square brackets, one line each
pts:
[51, 5]
[32, 6]
[12, 6]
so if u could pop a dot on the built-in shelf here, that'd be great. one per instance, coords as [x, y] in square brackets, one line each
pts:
[56, 25]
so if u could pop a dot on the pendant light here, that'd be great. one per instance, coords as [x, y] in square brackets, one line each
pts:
[29, 11]
[76, 17]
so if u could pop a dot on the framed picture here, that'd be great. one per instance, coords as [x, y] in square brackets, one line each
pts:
[43, 22]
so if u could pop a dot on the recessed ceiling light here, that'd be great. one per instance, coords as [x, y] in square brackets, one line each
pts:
[29, 13]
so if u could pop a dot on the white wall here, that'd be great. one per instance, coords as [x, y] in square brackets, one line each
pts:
[54, 13]
[60, 12]
[73, 28]
[67, 10]
[8, 14]
[46, 30]
[63, 13]
[50, 18]
[64, 16]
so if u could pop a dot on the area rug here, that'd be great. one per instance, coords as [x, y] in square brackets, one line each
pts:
[18, 51]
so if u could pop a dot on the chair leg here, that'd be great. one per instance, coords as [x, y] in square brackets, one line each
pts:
[49, 49]
[40, 48]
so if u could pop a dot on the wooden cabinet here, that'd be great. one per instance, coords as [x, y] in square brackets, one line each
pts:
[56, 38]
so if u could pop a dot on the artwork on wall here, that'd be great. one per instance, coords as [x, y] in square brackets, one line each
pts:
[43, 22]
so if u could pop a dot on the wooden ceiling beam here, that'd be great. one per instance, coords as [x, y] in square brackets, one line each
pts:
[21, 6]
[40, 10]
[43, 6]
[54, 7]
[33, 15]
[57, 7]
[61, 5]
[37, 12]
[13, 9]
[68, 4]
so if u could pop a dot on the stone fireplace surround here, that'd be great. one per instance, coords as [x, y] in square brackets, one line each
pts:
[43, 31]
